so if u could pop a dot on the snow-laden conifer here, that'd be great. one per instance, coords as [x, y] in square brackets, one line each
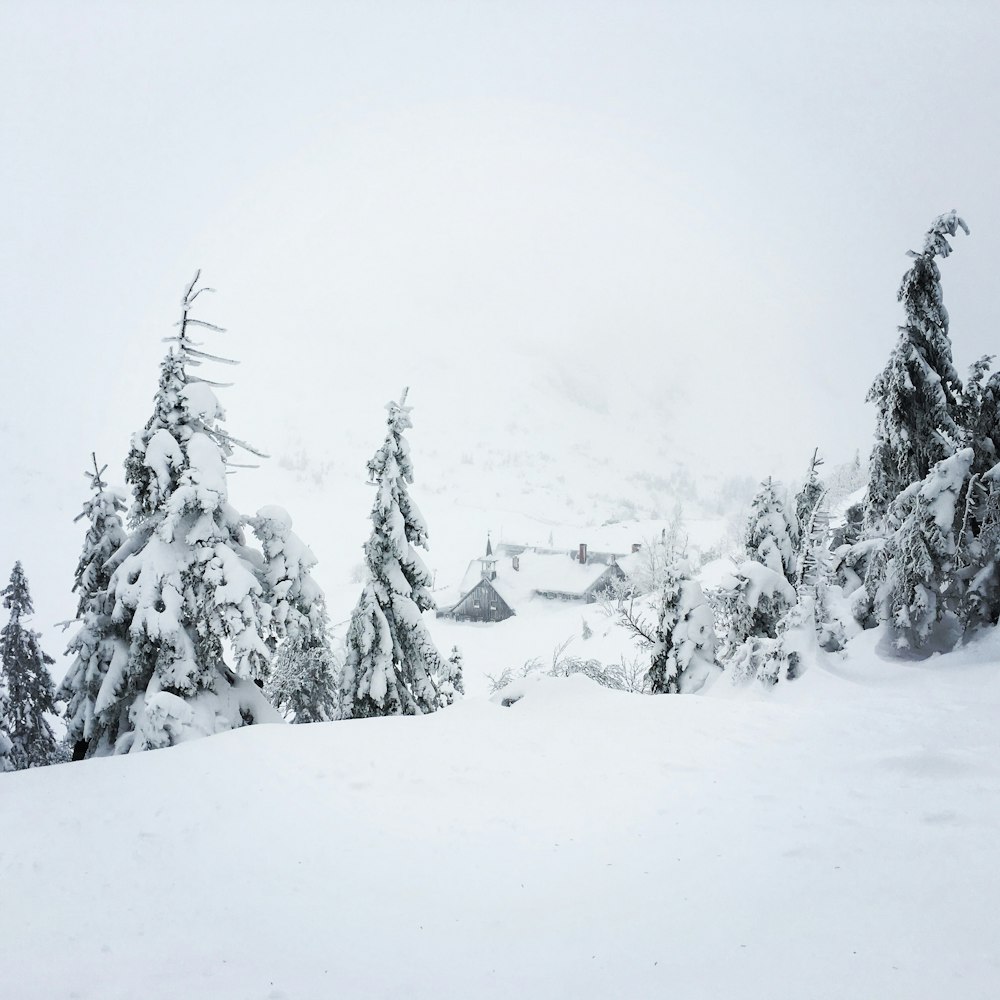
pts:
[921, 583]
[26, 681]
[751, 602]
[978, 556]
[815, 581]
[807, 499]
[94, 644]
[6, 743]
[772, 531]
[185, 588]
[676, 624]
[303, 679]
[918, 394]
[981, 415]
[451, 682]
[391, 662]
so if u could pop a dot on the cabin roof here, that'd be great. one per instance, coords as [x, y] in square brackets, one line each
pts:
[539, 572]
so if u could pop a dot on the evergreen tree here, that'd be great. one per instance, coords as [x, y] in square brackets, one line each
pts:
[918, 394]
[680, 636]
[921, 583]
[807, 499]
[978, 555]
[97, 639]
[772, 532]
[451, 682]
[24, 675]
[750, 606]
[303, 680]
[981, 416]
[391, 660]
[6, 743]
[302, 685]
[185, 589]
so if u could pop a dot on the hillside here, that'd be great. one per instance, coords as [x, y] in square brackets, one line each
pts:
[835, 838]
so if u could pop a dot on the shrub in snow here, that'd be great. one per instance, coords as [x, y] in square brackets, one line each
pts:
[772, 531]
[627, 675]
[25, 683]
[303, 679]
[185, 589]
[917, 395]
[94, 644]
[391, 662]
[677, 628]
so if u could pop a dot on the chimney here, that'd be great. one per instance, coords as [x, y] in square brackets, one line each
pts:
[516, 563]
[636, 546]
[583, 552]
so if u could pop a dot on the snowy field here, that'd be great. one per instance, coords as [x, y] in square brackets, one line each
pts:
[833, 838]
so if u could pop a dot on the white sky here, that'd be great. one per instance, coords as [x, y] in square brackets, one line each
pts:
[704, 205]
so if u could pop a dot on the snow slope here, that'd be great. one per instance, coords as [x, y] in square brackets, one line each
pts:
[834, 838]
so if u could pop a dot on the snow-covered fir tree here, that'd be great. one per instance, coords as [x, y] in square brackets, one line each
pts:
[772, 531]
[186, 589]
[978, 555]
[302, 684]
[921, 584]
[451, 682]
[303, 680]
[25, 680]
[815, 582]
[97, 638]
[918, 394]
[750, 604]
[981, 415]
[391, 661]
[678, 628]
[807, 499]
[6, 743]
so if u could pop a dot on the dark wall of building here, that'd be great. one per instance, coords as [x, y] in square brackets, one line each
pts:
[481, 604]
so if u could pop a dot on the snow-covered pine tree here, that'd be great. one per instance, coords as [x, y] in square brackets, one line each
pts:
[978, 556]
[185, 588]
[6, 743]
[303, 680]
[981, 415]
[94, 644]
[816, 577]
[302, 684]
[918, 394]
[24, 675]
[679, 634]
[750, 606]
[451, 682]
[391, 661]
[807, 499]
[772, 531]
[921, 583]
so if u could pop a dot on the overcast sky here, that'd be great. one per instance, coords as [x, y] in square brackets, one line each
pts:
[705, 204]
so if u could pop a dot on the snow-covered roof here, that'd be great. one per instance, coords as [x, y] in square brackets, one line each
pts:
[538, 572]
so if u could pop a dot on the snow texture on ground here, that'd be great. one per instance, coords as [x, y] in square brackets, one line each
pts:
[835, 838]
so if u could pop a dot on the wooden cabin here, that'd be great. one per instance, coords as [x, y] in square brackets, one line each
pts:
[495, 586]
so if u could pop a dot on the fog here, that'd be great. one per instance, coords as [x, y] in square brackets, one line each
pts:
[686, 220]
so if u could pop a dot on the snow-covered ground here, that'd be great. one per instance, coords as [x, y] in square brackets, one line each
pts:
[835, 837]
